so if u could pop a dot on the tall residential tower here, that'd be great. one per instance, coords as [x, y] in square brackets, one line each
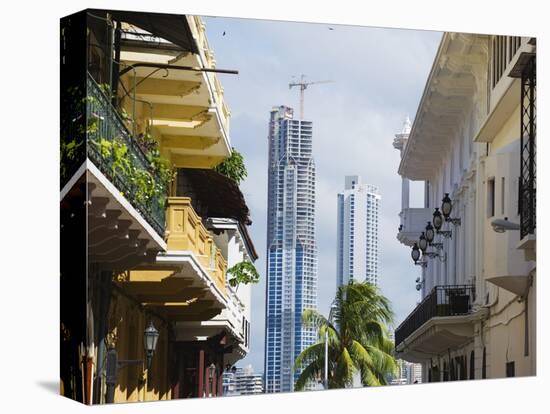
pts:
[357, 238]
[291, 246]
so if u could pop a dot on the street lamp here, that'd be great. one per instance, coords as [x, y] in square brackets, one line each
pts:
[422, 242]
[446, 208]
[212, 372]
[438, 222]
[430, 234]
[415, 253]
[150, 339]
[437, 219]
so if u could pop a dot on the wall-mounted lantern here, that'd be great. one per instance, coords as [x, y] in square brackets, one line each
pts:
[446, 208]
[429, 233]
[211, 373]
[150, 339]
[422, 242]
[438, 221]
[415, 255]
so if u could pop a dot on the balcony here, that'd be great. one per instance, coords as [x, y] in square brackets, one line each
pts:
[442, 321]
[186, 109]
[413, 222]
[187, 282]
[113, 150]
[186, 232]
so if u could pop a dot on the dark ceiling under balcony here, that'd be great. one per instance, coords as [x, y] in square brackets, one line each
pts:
[171, 27]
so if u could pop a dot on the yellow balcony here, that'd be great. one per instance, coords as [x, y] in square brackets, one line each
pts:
[185, 232]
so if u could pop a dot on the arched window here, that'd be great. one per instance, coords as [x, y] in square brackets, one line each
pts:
[472, 365]
[483, 365]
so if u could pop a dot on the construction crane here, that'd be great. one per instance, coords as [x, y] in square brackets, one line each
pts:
[303, 86]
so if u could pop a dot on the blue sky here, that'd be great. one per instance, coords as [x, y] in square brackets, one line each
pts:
[379, 75]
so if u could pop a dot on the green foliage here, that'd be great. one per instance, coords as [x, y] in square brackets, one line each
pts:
[148, 184]
[233, 167]
[243, 273]
[357, 339]
[69, 153]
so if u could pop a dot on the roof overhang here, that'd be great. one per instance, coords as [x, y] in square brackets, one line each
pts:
[218, 223]
[456, 77]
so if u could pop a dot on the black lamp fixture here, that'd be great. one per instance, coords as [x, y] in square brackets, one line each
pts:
[211, 372]
[429, 233]
[422, 242]
[415, 255]
[150, 339]
[446, 208]
[438, 221]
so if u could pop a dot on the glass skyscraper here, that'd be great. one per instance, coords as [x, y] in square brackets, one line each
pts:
[291, 247]
[357, 232]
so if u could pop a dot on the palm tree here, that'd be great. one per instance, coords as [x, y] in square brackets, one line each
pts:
[357, 339]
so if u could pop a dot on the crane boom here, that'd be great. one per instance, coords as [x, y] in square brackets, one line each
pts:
[303, 86]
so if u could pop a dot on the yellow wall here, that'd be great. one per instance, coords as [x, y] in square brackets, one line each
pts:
[127, 322]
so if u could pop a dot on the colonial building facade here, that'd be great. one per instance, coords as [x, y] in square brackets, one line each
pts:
[149, 230]
[473, 145]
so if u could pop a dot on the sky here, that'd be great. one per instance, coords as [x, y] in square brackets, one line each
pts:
[378, 78]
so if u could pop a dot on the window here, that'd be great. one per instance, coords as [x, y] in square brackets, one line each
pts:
[511, 369]
[490, 197]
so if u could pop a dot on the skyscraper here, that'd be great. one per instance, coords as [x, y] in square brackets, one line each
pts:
[357, 232]
[291, 246]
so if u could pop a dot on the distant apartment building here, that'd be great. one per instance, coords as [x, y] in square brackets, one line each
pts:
[242, 381]
[408, 372]
[357, 232]
[291, 246]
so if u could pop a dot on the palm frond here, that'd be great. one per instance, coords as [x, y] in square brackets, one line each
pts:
[315, 352]
[309, 373]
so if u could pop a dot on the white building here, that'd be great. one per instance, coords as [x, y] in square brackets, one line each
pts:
[408, 372]
[242, 381]
[357, 232]
[473, 145]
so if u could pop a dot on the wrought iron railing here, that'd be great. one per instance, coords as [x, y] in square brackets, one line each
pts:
[447, 300]
[528, 182]
[111, 147]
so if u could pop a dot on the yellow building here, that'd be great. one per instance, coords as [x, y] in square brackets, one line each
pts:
[143, 114]
[473, 145]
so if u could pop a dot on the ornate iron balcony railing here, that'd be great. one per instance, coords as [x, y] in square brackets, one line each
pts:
[528, 179]
[450, 300]
[111, 147]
